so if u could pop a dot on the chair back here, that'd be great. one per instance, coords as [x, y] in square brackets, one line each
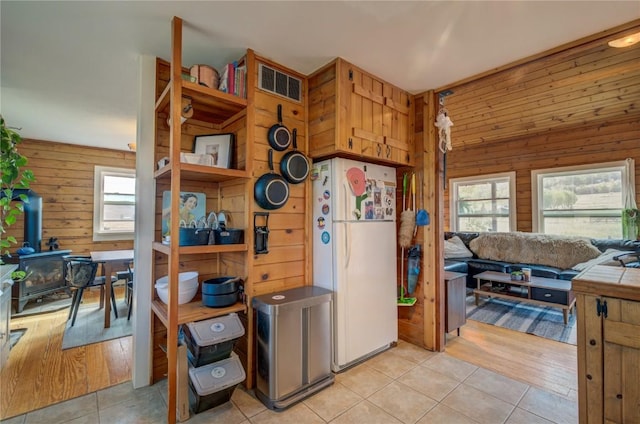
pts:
[80, 271]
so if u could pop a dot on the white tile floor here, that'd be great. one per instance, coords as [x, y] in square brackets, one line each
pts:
[405, 384]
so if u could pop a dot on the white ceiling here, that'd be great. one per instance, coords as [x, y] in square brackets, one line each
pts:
[69, 69]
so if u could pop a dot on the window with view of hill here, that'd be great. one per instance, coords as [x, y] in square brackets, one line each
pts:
[483, 203]
[580, 201]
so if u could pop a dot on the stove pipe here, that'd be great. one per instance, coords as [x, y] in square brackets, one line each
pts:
[32, 217]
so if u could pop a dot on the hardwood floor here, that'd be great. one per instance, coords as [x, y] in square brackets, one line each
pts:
[540, 362]
[40, 373]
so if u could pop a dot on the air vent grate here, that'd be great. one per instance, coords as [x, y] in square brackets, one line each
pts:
[279, 83]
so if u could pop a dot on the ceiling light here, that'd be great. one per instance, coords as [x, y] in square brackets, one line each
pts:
[626, 41]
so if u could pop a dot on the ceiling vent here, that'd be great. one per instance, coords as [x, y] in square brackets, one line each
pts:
[279, 83]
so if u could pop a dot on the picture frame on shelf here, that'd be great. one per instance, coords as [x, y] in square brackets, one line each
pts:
[193, 206]
[219, 146]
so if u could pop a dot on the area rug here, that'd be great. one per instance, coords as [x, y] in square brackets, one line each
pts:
[89, 326]
[544, 322]
[15, 335]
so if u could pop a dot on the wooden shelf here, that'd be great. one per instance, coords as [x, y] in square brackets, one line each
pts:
[189, 171]
[206, 248]
[193, 311]
[205, 100]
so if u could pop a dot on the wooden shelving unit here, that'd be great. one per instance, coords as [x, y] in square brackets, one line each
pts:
[193, 311]
[213, 112]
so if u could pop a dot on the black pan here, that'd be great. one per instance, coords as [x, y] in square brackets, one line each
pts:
[294, 166]
[271, 190]
[279, 135]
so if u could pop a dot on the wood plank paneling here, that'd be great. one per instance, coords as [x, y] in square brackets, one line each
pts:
[572, 107]
[582, 85]
[64, 179]
[612, 142]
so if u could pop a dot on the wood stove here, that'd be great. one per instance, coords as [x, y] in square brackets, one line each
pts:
[45, 270]
[45, 275]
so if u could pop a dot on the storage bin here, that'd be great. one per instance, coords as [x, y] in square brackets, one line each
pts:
[228, 236]
[213, 384]
[213, 339]
[194, 236]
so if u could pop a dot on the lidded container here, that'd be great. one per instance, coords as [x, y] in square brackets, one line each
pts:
[213, 339]
[212, 385]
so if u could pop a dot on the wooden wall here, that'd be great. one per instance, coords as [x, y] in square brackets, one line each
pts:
[286, 265]
[64, 178]
[576, 105]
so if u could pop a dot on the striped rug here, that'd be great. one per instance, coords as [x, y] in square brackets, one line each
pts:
[521, 316]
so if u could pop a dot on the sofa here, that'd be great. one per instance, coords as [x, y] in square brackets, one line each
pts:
[548, 256]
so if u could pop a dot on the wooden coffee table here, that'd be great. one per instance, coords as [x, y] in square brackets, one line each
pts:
[539, 290]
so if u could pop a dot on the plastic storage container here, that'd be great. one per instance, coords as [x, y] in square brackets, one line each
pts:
[228, 236]
[213, 339]
[213, 384]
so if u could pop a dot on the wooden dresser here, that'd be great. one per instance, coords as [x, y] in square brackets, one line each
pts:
[608, 313]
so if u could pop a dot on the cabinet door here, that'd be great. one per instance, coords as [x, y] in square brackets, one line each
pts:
[590, 358]
[379, 119]
[621, 330]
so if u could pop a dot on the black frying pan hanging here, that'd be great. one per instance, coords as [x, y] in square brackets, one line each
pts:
[271, 191]
[279, 135]
[294, 166]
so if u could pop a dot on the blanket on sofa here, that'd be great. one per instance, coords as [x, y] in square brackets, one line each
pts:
[532, 248]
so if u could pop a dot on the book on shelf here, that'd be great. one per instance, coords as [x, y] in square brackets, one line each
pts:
[233, 78]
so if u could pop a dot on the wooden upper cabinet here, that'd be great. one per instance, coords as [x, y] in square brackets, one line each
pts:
[355, 114]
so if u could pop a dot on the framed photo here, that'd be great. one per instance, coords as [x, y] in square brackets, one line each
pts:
[219, 146]
[192, 208]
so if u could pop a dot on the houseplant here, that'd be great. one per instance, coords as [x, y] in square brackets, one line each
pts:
[14, 176]
[630, 223]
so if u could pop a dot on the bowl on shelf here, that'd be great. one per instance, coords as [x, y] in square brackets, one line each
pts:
[188, 287]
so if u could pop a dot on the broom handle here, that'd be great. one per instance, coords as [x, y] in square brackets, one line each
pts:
[413, 190]
[404, 190]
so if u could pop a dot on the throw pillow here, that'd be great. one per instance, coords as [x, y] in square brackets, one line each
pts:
[455, 248]
[605, 258]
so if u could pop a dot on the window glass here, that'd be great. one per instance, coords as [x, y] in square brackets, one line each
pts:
[114, 203]
[580, 201]
[483, 203]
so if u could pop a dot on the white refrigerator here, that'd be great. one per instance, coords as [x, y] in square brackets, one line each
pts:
[354, 255]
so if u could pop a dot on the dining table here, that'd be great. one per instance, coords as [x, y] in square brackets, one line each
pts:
[112, 261]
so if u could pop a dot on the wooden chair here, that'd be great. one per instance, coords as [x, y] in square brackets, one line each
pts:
[127, 276]
[80, 273]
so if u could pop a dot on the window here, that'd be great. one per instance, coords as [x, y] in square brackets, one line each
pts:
[581, 200]
[114, 203]
[483, 203]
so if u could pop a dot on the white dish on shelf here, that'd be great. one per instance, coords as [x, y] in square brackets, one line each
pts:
[188, 287]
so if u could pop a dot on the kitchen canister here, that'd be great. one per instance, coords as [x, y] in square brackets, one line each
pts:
[205, 75]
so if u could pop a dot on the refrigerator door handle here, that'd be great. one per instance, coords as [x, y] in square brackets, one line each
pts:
[347, 244]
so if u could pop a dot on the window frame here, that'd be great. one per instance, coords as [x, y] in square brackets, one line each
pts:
[100, 172]
[510, 177]
[537, 219]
